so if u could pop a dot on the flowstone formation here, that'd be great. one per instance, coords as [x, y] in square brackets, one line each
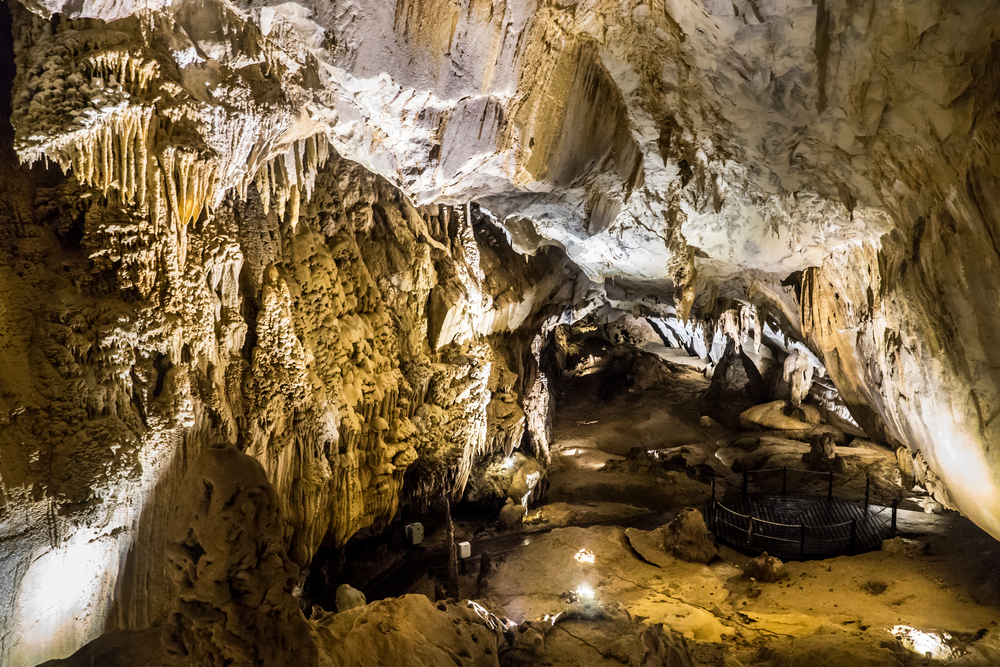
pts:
[308, 346]
[234, 602]
[331, 234]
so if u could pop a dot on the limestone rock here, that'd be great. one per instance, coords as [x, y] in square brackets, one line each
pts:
[527, 475]
[798, 373]
[234, 579]
[777, 415]
[687, 537]
[898, 546]
[822, 455]
[317, 231]
[529, 640]
[649, 545]
[349, 597]
[662, 648]
[765, 568]
[411, 631]
[736, 380]
[512, 516]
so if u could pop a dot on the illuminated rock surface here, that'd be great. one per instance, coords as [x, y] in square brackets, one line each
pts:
[336, 235]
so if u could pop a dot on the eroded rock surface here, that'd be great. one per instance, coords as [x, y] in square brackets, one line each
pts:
[263, 235]
[234, 581]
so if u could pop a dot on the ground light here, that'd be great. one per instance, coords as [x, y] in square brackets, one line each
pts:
[926, 644]
[584, 592]
[584, 556]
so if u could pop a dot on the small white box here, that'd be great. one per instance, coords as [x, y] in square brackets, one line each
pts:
[464, 549]
[415, 532]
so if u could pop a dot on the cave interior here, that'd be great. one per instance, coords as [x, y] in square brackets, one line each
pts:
[499, 333]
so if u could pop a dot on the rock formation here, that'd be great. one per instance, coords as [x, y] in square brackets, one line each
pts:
[765, 568]
[687, 537]
[234, 581]
[335, 235]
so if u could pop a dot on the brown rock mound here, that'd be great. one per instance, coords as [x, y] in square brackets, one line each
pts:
[227, 558]
[687, 537]
[765, 568]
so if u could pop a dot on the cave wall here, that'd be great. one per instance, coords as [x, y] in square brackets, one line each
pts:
[307, 313]
[908, 326]
[307, 345]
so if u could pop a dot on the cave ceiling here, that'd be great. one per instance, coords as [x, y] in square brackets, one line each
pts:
[652, 141]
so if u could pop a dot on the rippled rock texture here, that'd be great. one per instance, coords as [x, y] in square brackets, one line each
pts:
[264, 236]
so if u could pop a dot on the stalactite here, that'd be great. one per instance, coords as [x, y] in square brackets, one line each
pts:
[128, 70]
[291, 175]
[112, 156]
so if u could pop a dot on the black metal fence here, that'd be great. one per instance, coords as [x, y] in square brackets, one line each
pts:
[794, 514]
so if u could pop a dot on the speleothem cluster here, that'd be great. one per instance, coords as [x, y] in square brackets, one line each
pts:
[335, 236]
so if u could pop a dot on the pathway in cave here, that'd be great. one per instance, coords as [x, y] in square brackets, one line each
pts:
[592, 480]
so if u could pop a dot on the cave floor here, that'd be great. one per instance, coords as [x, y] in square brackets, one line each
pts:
[918, 605]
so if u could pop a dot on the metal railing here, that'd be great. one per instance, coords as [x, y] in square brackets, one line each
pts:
[760, 533]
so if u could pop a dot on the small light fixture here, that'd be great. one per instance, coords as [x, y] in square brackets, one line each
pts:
[584, 556]
[584, 592]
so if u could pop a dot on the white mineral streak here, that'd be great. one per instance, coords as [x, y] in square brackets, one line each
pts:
[216, 269]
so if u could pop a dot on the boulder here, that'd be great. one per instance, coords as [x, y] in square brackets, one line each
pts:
[687, 537]
[349, 597]
[777, 415]
[765, 568]
[898, 546]
[512, 516]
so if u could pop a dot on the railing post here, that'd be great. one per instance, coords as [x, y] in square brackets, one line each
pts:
[895, 504]
[868, 485]
[713, 491]
[829, 489]
[854, 533]
[802, 542]
[784, 479]
[750, 533]
[744, 485]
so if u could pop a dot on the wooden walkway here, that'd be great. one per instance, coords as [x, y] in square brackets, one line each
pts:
[796, 527]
